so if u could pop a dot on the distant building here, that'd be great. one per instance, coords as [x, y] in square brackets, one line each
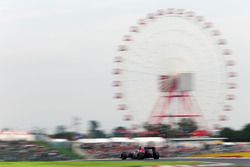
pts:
[16, 136]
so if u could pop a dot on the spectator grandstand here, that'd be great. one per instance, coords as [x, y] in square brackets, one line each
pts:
[179, 147]
[27, 151]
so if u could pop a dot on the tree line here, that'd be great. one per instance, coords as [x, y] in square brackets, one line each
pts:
[242, 135]
[184, 128]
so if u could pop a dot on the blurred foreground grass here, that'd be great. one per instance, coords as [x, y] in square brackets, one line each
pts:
[91, 164]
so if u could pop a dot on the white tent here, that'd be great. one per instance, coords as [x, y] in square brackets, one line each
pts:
[229, 144]
[98, 140]
[16, 136]
[121, 140]
[59, 140]
[150, 141]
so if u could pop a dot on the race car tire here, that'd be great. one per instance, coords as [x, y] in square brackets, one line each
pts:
[156, 155]
[140, 156]
[124, 156]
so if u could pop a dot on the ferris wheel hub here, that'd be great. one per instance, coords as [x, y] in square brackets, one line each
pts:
[182, 82]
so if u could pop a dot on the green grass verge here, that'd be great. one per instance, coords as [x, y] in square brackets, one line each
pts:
[68, 153]
[90, 164]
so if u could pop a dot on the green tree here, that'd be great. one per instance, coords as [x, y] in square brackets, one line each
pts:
[167, 131]
[6, 129]
[120, 131]
[229, 133]
[245, 133]
[163, 130]
[149, 127]
[37, 130]
[152, 130]
[94, 125]
[60, 129]
[94, 132]
[64, 135]
[186, 127]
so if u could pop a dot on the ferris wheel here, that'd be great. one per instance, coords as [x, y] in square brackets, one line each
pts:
[172, 65]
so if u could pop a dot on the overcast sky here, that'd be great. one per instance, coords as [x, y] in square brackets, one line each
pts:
[56, 57]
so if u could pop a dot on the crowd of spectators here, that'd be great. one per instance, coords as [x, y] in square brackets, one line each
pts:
[106, 150]
[113, 150]
[27, 151]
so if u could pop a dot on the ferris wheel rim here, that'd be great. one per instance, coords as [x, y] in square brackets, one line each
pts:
[219, 42]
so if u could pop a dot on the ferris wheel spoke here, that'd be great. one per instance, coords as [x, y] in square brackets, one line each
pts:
[140, 99]
[140, 72]
[146, 66]
[138, 88]
[139, 80]
[141, 89]
[212, 82]
[142, 63]
[145, 55]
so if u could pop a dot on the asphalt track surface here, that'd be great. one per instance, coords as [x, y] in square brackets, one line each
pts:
[236, 161]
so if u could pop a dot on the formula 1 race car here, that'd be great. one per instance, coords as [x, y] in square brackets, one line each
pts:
[146, 152]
